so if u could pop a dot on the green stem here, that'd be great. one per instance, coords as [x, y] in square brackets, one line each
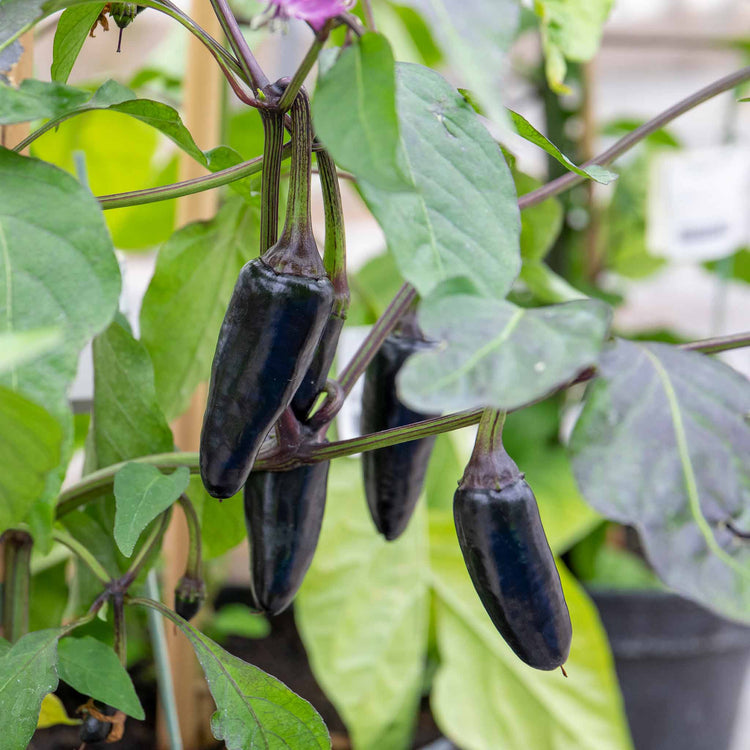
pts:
[17, 546]
[334, 255]
[121, 644]
[83, 554]
[490, 467]
[164, 679]
[375, 338]
[298, 79]
[298, 208]
[145, 552]
[95, 484]
[194, 560]
[273, 133]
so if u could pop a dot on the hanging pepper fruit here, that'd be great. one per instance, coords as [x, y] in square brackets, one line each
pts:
[507, 554]
[334, 260]
[393, 476]
[283, 516]
[276, 316]
[190, 592]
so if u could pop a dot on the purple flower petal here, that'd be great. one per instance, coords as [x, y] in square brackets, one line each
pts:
[315, 12]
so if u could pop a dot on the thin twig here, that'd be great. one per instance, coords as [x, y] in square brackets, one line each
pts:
[369, 16]
[298, 79]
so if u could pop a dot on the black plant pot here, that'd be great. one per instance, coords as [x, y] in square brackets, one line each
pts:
[681, 669]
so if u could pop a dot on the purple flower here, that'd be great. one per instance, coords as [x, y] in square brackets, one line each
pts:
[315, 12]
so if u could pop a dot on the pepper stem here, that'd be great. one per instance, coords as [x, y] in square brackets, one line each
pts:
[273, 133]
[17, 547]
[490, 467]
[334, 255]
[194, 560]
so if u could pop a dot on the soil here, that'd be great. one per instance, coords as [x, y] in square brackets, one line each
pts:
[280, 654]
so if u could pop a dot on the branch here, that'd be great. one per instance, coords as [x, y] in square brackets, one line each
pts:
[567, 181]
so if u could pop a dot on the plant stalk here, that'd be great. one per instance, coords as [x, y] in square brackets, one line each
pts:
[145, 552]
[273, 144]
[83, 554]
[17, 546]
[334, 255]
[298, 79]
[194, 559]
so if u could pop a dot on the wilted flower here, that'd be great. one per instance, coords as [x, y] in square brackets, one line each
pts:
[315, 12]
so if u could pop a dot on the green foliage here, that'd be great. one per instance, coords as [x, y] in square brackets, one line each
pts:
[30, 444]
[239, 621]
[19, 348]
[142, 493]
[127, 420]
[92, 668]
[72, 29]
[571, 30]
[530, 133]
[48, 597]
[494, 353]
[355, 112]
[662, 444]
[185, 303]
[363, 612]
[27, 674]
[222, 521]
[461, 219]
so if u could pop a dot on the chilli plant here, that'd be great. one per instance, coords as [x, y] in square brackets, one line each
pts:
[458, 596]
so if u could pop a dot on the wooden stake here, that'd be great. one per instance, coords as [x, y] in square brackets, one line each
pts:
[202, 116]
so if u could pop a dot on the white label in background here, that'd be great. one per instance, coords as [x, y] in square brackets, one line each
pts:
[698, 203]
[347, 420]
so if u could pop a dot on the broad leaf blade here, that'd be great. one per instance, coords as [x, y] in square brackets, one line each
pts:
[19, 348]
[142, 492]
[492, 353]
[363, 614]
[254, 709]
[485, 698]
[72, 29]
[30, 445]
[355, 112]
[53, 713]
[185, 303]
[462, 218]
[127, 420]
[530, 133]
[27, 674]
[662, 444]
[92, 668]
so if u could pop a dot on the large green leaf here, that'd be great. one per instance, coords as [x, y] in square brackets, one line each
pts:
[72, 29]
[185, 303]
[142, 493]
[254, 709]
[127, 420]
[18, 348]
[355, 112]
[492, 353]
[27, 674]
[461, 219]
[363, 612]
[663, 444]
[485, 698]
[475, 36]
[571, 30]
[92, 668]
[30, 444]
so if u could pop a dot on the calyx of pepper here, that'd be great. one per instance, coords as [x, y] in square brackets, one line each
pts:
[189, 596]
[296, 252]
[490, 467]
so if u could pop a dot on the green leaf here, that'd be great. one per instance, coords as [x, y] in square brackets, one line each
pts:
[530, 133]
[72, 29]
[485, 698]
[27, 674]
[34, 100]
[571, 29]
[372, 287]
[476, 37]
[362, 613]
[540, 224]
[492, 353]
[48, 596]
[142, 492]
[254, 709]
[4, 646]
[30, 445]
[462, 218]
[355, 112]
[70, 281]
[546, 285]
[19, 348]
[240, 621]
[92, 668]
[185, 303]
[127, 420]
[662, 444]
